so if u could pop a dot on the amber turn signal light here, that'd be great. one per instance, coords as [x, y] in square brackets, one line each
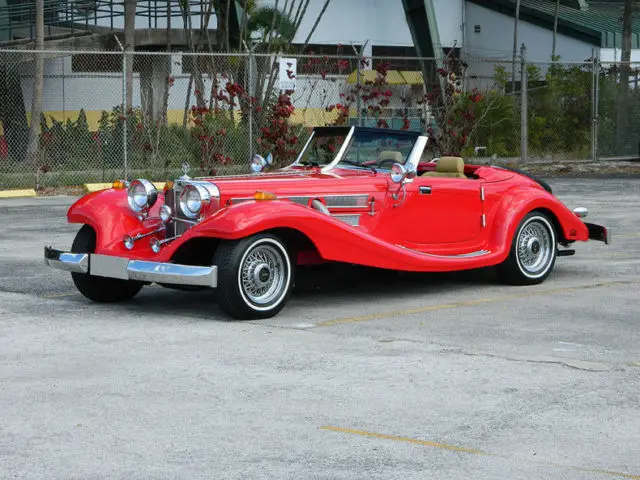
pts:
[264, 196]
[119, 184]
[168, 185]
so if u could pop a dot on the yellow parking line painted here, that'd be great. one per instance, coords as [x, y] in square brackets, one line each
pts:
[455, 448]
[627, 235]
[609, 473]
[426, 443]
[29, 192]
[59, 295]
[468, 303]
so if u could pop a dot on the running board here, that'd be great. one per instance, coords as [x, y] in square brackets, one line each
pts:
[479, 253]
[566, 253]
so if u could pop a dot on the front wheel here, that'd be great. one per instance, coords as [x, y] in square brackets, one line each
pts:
[255, 276]
[533, 251]
[99, 289]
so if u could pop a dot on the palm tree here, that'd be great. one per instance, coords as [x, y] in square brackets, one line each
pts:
[33, 145]
[515, 47]
[555, 31]
[129, 47]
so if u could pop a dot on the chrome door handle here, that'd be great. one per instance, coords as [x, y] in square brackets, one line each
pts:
[425, 190]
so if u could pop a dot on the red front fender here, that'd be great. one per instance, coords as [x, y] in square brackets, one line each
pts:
[108, 212]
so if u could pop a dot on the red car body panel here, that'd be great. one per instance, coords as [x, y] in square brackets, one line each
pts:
[435, 223]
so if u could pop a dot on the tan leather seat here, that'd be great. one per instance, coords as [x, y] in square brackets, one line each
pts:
[388, 157]
[448, 167]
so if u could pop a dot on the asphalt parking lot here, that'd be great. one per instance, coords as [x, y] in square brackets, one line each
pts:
[366, 376]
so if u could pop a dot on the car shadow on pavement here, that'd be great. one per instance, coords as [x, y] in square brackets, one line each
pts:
[325, 280]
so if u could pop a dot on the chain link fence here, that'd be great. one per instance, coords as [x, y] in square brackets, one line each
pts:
[214, 111]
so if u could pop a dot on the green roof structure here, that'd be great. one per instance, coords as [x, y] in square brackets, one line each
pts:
[598, 22]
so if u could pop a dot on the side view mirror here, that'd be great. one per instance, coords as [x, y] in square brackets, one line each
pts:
[259, 163]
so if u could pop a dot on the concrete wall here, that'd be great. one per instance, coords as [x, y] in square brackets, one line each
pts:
[615, 55]
[496, 38]
[495, 41]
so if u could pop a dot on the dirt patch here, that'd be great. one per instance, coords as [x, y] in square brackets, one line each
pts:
[74, 190]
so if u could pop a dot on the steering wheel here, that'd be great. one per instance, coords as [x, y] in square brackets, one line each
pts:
[389, 161]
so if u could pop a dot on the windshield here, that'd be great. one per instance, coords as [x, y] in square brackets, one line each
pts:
[377, 149]
[368, 148]
[323, 147]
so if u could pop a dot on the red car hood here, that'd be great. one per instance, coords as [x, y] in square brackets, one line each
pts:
[300, 182]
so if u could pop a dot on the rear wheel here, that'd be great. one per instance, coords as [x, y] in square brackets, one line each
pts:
[255, 276]
[533, 251]
[99, 289]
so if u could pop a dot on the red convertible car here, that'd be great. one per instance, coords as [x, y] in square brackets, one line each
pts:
[355, 195]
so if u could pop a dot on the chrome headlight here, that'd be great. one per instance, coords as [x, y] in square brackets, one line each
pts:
[142, 195]
[193, 199]
[166, 213]
[398, 173]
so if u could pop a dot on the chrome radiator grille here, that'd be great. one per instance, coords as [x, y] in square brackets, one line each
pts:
[176, 227]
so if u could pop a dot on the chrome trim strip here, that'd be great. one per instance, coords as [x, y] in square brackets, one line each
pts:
[478, 253]
[335, 204]
[70, 262]
[353, 220]
[342, 201]
[343, 148]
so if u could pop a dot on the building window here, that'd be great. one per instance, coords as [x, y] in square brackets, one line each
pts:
[101, 62]
[399, 58]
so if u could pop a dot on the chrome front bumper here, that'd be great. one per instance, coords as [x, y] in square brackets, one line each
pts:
[125, 269]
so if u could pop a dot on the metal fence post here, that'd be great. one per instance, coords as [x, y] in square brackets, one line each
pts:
[251, 95]
[359, 104]
[523, 106]
[595, 107]
[124, 109]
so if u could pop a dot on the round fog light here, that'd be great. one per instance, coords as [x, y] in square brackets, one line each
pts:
[128, 242]
[165, 213]
[155, 245]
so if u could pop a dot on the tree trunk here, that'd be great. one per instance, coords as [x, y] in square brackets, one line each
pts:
[33, 147]
[623, 107]
[555, 31]
[129, 47]
[315, 25]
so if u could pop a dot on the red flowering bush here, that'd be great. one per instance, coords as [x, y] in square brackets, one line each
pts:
[213, 121]
[455, 114]
[375, 95]
[277, 135]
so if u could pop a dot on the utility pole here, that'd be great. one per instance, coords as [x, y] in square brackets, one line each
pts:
[515, 47]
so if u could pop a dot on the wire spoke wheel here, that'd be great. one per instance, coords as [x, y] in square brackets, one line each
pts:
[263, 274]
[535, 247]
[533, 251]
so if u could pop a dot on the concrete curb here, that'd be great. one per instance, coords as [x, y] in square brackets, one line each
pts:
[94, 187]
[29, 192]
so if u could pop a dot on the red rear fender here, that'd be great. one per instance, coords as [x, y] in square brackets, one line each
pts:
[517, 203]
